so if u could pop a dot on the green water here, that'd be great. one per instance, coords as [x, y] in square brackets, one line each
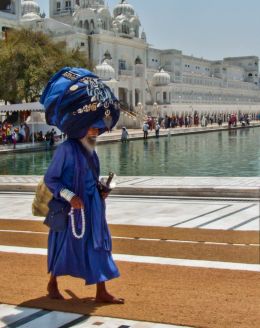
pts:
[228, 153]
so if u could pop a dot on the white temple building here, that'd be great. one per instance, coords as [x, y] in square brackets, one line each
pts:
[144, 78]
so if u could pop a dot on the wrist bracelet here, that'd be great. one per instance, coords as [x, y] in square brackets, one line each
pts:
[67, 194]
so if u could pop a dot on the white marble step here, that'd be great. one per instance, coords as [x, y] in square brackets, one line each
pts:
[151, 211]
[20, 317]
[149, 260]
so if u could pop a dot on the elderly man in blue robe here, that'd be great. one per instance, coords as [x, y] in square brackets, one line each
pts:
[81, 106]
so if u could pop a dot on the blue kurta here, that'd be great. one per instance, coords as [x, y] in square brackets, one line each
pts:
[90, 257]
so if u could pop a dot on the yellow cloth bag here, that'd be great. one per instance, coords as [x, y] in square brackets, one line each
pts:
[41, 200]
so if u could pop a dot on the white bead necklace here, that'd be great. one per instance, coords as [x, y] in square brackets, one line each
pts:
[73, 223]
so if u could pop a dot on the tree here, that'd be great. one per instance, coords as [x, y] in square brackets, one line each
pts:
[27, 61]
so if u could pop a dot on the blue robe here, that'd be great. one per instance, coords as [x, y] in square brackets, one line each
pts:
[88, 258]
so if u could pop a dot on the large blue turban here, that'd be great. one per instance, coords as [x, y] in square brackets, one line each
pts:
[75, 100]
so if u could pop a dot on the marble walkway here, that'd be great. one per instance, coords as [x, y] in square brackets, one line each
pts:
[229, 214]
[227, 187]
[14, 317]
[156, 211]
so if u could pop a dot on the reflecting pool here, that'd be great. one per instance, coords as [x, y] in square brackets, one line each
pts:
[226, 153]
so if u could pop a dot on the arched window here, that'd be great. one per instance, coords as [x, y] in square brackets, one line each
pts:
[86, 25]
[138, 60]
[107, 55]
[164, 97]
[250, 74]
[125, 28]
[80, 24]
[92, 25]
[104, 25]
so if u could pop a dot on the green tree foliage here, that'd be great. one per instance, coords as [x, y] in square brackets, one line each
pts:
[27, 61]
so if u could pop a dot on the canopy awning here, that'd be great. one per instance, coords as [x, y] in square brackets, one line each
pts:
[33, 107]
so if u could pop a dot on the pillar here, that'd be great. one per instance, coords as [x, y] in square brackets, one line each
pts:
[128, 99]
[133, 98]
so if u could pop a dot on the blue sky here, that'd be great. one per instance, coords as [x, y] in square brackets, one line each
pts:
[205, 28]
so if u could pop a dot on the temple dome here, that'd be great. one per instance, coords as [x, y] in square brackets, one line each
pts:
[105, 71]
[30, 6]
[161, 78]
[124, 8]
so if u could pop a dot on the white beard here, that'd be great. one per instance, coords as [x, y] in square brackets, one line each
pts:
[90, 148]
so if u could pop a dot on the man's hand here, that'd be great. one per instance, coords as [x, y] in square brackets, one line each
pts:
[76, 203]
[104, 195]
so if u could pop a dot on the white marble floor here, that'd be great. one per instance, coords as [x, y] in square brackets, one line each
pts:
[232, 187]
[155, 211]
[152, 181]
[149, 260]
[14, 317]
[151, 211]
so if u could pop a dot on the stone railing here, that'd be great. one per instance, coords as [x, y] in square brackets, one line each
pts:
[126, 72]
[197, 79]
[66, 12]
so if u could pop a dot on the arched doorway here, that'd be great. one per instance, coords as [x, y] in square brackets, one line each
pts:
[86, 25]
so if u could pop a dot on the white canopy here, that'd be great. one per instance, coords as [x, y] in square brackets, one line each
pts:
[33, 107]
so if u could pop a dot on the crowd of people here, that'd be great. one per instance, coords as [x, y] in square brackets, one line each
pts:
[12, 134]
[187, 121]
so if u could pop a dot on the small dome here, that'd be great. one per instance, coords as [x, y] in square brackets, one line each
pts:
[124, 8]
[105, 71]
[30, 6]
[161, 78]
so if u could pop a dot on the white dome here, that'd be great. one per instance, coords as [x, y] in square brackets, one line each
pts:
[105, 71]
[30, 6]
[161, 78]
[124, 8]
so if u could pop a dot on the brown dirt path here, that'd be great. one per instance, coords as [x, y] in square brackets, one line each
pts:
[192, 251]
[167, 294]
[166, 233]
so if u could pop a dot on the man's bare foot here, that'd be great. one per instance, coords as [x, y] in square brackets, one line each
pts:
[105, 297]
[53, 291]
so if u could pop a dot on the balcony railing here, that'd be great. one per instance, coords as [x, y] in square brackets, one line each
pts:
[126, 72]
[63, 12]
